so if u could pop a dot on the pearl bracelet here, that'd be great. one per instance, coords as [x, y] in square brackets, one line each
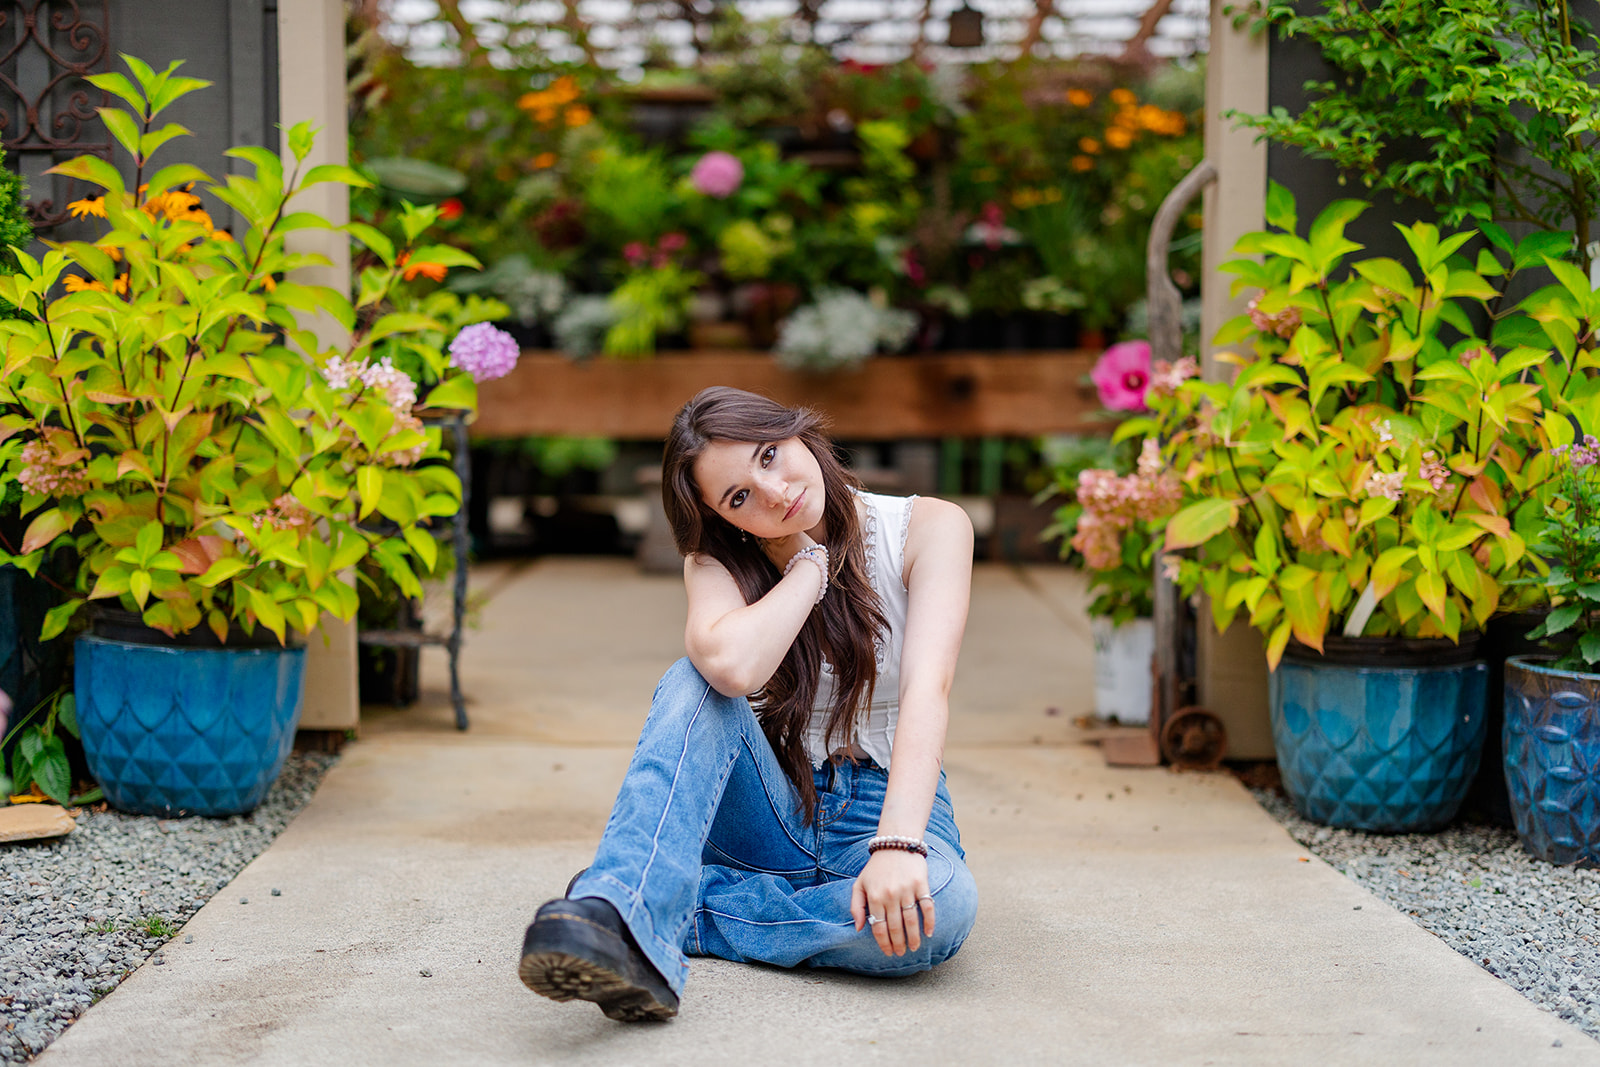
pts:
[899, 843]
[817, 554]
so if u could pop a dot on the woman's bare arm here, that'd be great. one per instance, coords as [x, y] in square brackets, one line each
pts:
[737, 646]
[938, 577]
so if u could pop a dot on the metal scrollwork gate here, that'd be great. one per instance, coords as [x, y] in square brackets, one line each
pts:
[47, 108]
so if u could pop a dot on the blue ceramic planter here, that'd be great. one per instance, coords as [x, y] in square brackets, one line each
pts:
[186, 731]
[1552, 760]
[1389, 749]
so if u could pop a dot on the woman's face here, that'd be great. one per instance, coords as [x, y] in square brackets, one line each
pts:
[768, 488]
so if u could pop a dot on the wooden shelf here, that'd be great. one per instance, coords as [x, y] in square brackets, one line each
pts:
[945, 394]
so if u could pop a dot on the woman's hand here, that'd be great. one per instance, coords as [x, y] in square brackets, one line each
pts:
[780, 550]
[893, 886]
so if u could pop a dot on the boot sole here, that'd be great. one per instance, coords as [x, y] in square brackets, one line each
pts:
[561, 976]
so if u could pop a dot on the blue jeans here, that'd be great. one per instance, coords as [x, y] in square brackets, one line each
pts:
[707, 854]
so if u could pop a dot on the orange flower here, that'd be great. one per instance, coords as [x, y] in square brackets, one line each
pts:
[436, 271]
[77, 284]
[121, 285]
[579, 116]
[544, 160]
[1082, 163]
[1080, 97]
[1088, 145]
[84, 208]
[1123, 98]
[1117, 137]
[268, 282]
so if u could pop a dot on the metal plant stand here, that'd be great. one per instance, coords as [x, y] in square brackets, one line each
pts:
[1186, 735]
[460, 543]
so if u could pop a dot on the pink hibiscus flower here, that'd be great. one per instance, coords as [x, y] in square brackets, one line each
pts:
[1122, 375]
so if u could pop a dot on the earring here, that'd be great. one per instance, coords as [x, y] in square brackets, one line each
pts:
[744, 535]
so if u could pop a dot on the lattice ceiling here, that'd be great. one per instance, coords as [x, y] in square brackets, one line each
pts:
[622, 33]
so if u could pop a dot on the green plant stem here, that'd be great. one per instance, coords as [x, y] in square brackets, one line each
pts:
[1238, 481]
[66, 404]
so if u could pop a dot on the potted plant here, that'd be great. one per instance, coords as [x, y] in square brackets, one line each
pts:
[1362, 491]
[1114, 523]
[1552, 704]
[171, 419]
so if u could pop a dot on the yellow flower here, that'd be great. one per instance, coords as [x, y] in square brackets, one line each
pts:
[221, 235]
[121, 285]
[1117, 137]
[84, 208]
[1088, 145]
[1122, 97]
[579, 115]
[268, 282]
[544, 161]
[1080, 97]
[1082, 163]
[112, 251]
[77, 284]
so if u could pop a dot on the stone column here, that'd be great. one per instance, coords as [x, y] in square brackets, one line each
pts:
[1232, 666]
[311, 85]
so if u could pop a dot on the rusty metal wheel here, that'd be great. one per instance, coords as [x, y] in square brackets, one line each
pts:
[1194, 740]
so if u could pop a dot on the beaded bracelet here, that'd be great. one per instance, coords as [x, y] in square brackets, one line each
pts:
[895, 841]
[817, 554]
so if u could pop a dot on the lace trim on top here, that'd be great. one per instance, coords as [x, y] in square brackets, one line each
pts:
[869, 542]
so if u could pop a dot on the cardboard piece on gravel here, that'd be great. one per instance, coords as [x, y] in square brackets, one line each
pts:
[34, 822]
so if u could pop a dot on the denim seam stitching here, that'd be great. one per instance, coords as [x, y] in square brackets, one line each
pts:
[738, 864]
[781, 922]
[655, 839]
[766, 791]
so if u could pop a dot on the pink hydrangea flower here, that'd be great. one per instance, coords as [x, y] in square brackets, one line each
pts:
[717, 174]
[1390, 486]
[395, 384]
[1112, 504]
[1122, 375]
[486, 352]
[1283, 324]
[49, 472]
[1165, 377]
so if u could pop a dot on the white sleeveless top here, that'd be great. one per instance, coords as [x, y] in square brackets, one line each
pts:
[888, 519]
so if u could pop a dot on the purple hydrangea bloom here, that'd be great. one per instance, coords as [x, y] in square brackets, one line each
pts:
[486, 352]
[717, 174]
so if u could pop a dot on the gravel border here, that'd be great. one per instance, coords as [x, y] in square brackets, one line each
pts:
[79, 914]
[1533, 924]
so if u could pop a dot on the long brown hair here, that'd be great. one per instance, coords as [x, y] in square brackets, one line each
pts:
[843, 627]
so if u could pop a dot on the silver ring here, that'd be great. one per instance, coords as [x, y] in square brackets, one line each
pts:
[874, 919]
[909, 907]
[928, 899]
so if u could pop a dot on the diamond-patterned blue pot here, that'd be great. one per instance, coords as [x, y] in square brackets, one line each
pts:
[186, 731]
[1552, 760]
[1389, 749]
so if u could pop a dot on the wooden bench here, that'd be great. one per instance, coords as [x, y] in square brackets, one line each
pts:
[937, 395]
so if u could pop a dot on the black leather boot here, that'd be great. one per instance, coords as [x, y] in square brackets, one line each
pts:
[582, 950]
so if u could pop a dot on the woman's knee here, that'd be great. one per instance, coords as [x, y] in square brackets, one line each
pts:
[955, 906]
[683, 695]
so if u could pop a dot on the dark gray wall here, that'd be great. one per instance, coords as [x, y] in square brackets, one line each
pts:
[231, 43]
[1315, 182]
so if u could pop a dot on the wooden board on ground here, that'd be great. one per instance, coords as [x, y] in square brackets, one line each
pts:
[34, 822]
[948, 394]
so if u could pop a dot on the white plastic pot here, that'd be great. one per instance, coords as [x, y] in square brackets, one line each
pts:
[1122, 656]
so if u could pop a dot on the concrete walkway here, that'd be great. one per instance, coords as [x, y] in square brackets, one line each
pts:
[1128, 916]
